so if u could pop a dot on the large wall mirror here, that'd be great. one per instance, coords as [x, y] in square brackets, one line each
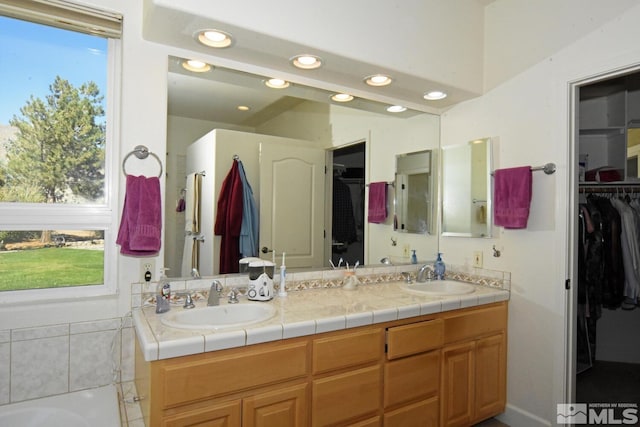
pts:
[467, 189]
[201, 103]
[414, 192]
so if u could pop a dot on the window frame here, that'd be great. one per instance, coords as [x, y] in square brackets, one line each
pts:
[98, 216]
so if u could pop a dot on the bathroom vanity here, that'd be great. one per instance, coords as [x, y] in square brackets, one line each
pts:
[388, 359]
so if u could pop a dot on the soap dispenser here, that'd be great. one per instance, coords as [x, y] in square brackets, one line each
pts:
[439, 267]
[414, 257]
[163, 294]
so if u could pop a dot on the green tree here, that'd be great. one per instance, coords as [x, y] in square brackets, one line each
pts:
[59, 147]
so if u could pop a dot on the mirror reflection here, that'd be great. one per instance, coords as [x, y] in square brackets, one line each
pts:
[414, 192]
[199, 103]
[466, 189]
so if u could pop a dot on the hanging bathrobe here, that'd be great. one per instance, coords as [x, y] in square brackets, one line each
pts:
[250, 218]
[229, 220]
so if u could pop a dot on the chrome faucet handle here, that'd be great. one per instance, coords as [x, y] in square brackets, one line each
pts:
[188, 301]
[407, 277]
[233, 296]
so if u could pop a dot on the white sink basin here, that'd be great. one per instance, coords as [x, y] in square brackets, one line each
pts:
[219, 316]
[439, 287]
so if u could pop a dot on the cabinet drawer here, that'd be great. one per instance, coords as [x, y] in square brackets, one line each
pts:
[475, 323]
[202, 376]
[414, 338]
[411, 378]
[347, 350]
[420, 414]
[346, 396]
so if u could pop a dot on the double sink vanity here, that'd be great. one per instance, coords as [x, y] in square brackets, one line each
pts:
[388, 353]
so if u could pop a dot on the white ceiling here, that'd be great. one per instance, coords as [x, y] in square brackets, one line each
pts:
[423, 44]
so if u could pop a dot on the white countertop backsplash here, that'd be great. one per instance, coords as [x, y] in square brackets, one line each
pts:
[315, 303]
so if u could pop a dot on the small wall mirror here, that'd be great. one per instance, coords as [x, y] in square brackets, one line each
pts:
[414, 192]
[466, 189]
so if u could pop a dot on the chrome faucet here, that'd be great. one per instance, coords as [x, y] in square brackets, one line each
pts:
[214, 293]
[195, 273]
[425, 273]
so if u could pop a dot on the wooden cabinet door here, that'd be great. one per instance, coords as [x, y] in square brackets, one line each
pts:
[490, 376]
[286, 407]
[225, 414]
[457, 390]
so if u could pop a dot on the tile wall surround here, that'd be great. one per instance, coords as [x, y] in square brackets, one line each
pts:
[56, 359]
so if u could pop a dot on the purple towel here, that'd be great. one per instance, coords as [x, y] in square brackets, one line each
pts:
[377, 202]
[141, 222]
[512, 197]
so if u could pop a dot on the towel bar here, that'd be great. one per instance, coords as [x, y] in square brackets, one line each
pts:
[548, 168]
[142, 153]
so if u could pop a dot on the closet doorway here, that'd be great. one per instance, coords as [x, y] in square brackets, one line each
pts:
[606, 272]
[348, 210]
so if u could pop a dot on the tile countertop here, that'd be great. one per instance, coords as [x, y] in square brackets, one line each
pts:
[302, 313]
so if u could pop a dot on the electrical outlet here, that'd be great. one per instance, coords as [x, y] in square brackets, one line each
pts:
[406, 251]
[477, 259]
[147, 269]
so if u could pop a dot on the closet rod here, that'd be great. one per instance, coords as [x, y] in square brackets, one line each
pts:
[616, 188]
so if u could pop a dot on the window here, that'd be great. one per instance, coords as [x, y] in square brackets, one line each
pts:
[58, 84]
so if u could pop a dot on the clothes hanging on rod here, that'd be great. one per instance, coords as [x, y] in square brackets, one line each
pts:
[344, 225]
[608, 260]
[228, 222]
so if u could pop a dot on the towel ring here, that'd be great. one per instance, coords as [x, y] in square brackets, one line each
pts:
[142, 153]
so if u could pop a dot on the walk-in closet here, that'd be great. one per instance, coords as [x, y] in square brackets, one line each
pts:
[608, 246]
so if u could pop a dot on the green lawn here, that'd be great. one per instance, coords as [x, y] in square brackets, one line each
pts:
[50, 268]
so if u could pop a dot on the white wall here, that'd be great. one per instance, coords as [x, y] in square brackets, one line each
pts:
[519, 34]
[529, 115]
[55, 347]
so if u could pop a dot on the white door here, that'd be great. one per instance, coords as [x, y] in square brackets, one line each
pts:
[292, 203]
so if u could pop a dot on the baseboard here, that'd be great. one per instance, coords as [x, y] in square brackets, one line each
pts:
[518, 417]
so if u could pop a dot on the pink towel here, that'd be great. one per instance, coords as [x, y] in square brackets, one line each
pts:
[141, 222]
[512, 197]
[377, 202]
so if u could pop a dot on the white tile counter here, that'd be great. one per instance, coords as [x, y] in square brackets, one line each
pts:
[302, 313]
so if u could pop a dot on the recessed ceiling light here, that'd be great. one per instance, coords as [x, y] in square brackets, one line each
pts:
[196, 66]
[341, 97]
[378, 80]
[434, 95]
[396, 109]
[277, 83]
[214, 38]
[306, 62]
[243, 108]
